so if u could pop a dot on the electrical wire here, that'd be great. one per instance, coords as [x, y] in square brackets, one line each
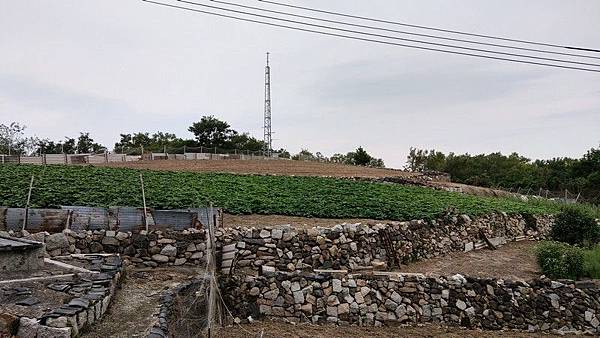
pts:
[389, 37]
[405, 32]
[429, 27]
[370, 40]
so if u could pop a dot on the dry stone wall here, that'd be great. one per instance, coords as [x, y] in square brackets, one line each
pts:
[372, 300]
[90, 295]
[150, 249]
[352, 246]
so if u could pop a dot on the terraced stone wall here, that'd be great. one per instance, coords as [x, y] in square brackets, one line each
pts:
[392, 299]
[352, 246]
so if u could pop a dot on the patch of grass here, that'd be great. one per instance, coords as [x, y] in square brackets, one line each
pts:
[245, 194]
[591, 262]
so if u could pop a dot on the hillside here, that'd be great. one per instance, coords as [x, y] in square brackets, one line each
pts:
[243, 194]
[274, 167]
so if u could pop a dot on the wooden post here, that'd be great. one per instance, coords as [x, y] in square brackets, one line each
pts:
[26, 218]
[211, 268]
[144, 200]
[577, 198]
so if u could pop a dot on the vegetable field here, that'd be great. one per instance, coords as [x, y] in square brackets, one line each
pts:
[241, 194]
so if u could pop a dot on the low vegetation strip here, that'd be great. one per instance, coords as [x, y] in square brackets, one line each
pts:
[243, 194]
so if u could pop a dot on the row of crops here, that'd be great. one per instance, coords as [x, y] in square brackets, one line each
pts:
[241, 194]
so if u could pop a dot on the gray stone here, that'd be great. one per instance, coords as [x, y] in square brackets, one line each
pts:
[298, 297]
[28, 327]
[179, 261]
[56, 241]
[337, 285]
[169, 251]
[160, 258]
[461, 304]
[110, 241]
[57, 322]
[277, 234]
[272, 294]
[121, 236]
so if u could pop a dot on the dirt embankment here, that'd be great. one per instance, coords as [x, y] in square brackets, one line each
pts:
[268, 329]
[272, 167]
[300, 168]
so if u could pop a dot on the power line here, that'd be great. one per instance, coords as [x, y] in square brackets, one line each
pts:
[405, 32]
[370, 40]
[429, 28]
[388, 36]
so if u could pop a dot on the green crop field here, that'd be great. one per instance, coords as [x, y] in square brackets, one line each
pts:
[242, 194]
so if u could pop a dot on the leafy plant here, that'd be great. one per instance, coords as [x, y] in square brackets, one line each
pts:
[575, 226]
[244, 194]
[560, 260]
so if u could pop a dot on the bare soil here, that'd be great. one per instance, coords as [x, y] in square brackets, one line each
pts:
[260, 221]
[268, 329]
[273, 167]
[514, 261]
[133, 309]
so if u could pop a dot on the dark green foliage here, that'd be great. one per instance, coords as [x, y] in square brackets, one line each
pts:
[358, 157]
[560, 260]
[212, 132]
[575, 226]
[592, 263]
[515, 171]
[244, 194]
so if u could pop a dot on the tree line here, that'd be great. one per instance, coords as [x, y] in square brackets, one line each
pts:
[578, 175]
[210, 134]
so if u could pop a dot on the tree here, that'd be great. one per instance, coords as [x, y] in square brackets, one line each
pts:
[361, 157]
[283, 153]
[304, 155]
[245, 142]
[85, 144]
[211, 132]
[12, 139]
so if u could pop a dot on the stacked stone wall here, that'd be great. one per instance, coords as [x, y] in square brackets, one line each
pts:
[392, 299]
[352, 246]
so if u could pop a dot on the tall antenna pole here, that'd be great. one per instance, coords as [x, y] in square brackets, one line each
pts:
[268, 146]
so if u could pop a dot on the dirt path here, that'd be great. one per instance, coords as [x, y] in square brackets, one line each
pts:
[260, 221]
[285, 330]
[132, 310]
[514, 260]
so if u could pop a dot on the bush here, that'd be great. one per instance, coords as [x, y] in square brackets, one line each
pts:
[560, 260]
[575, 226]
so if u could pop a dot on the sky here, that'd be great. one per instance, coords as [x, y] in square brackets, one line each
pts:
[121, 66]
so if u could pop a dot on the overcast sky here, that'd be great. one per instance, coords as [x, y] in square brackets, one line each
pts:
[122, 66]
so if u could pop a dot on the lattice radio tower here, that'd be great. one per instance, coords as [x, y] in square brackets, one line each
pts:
[268, 139]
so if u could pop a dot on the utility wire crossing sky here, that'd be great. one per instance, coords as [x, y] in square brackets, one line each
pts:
[381, 36]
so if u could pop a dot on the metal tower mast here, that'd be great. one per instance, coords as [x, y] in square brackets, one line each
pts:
[268, 140]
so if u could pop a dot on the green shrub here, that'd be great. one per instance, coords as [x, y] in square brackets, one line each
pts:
[560, 260]
[591, 263]
[575, 226]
